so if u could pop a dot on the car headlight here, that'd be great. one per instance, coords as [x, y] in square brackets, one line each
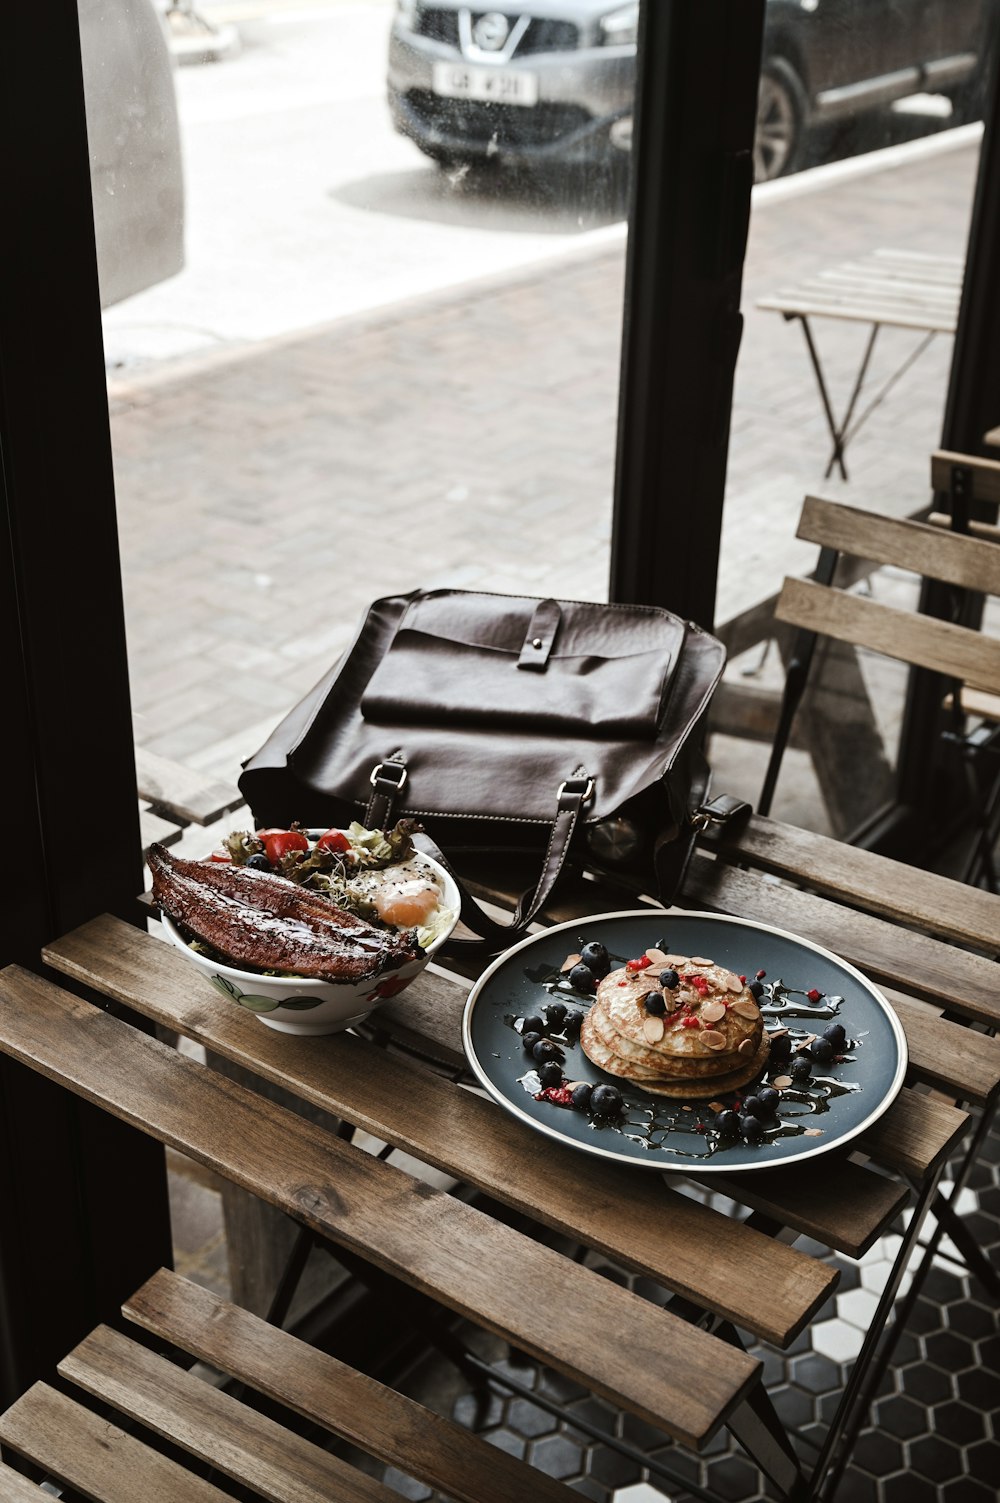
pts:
[620, 26]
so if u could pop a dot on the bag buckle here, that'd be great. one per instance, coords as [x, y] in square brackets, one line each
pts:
[722, 810]
[380, 774]
[581, 788]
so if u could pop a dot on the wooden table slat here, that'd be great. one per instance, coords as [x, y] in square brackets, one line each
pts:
[916, 1136]
[94, 1456]
[875, 312]
[968, 985]
[190, 795]
[953, 910]
[954, 1058]
[629, 1214]
[14, 1488]
[621, 1346]
[386, 1424]
[212, 1426]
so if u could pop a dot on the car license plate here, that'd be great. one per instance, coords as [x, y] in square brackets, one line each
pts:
[489, 85]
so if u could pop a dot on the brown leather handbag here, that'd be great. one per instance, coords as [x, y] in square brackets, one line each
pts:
[503, 723]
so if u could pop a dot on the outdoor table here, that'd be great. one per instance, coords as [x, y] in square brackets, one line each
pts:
[728, 1267]
[891, 288]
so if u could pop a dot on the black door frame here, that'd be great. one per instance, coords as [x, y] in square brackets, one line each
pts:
[70, 1246]
[696, 108]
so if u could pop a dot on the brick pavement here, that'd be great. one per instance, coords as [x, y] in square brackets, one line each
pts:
[267, 494]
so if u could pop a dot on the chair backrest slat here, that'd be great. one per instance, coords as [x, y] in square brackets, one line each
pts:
[921, 640]
[955, 558]
[985, 474]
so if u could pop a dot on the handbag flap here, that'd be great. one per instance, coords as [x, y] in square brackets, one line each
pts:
[463, 658]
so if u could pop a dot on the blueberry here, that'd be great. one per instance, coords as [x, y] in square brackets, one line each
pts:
[581, 1096]
[756, 990]
[781, 1047]
[751, 1129]
[596, 958]
[530, 1039]
[836, 1035]
[555, 1013]
[258, 862]
[801, 1068]
[532, 1024]
[543, 1051]
[582, 978]
[669, 979]
[754, 1107]
[821, 1051]
[605, 1101]
[769, 1098]
[654, 1004]
[573, 1020]
[728, 1124]
[551, 1074]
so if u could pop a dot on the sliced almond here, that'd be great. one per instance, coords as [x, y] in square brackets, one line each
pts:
[712, 1012]
[733, 982]
[656, 956]
[569, 963]
[676, 962]
[700, 960]
[716, 1106]
[745, 1009]
[781, 1082]
[747, 1047]
[776, 1033]
[671, 1000]
[653, 1029]
[813, 1132]
[713, 1040]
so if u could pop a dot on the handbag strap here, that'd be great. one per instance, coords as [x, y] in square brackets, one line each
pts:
[388, 779]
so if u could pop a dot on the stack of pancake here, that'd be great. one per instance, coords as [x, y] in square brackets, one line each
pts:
[700, 1038]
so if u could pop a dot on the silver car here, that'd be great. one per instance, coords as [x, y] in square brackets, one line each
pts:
[545, 80]
[553, 80]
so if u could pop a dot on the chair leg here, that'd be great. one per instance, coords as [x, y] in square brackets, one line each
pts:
[796, 676]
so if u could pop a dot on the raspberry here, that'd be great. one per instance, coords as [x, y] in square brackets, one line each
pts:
[558, 1095]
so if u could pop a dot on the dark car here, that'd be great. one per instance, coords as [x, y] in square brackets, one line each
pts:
[553, 80]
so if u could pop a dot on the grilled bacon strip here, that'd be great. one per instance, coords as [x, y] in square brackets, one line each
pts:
[259, 919]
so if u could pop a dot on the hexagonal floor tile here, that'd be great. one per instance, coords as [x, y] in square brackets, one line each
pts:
[640, 1492]
[836, 1339]
[935, 1458]
[902, 1416]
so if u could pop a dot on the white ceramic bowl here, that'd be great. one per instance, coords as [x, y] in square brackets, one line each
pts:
[303, 1005]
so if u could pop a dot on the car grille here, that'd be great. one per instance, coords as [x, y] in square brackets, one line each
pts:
[511, 125]
[542, 35]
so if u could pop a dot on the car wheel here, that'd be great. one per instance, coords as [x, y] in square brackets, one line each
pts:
[781, 112]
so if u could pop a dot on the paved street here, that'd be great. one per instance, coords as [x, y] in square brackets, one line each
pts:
[303, 204]
[268, 490]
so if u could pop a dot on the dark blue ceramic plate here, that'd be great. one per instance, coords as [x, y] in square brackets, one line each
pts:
[840, 1099]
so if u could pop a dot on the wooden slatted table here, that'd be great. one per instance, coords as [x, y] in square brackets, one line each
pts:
[680, 1366]
[892, 288]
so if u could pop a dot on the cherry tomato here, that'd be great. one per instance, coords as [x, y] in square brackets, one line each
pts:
[333, 840]
[278, 843]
